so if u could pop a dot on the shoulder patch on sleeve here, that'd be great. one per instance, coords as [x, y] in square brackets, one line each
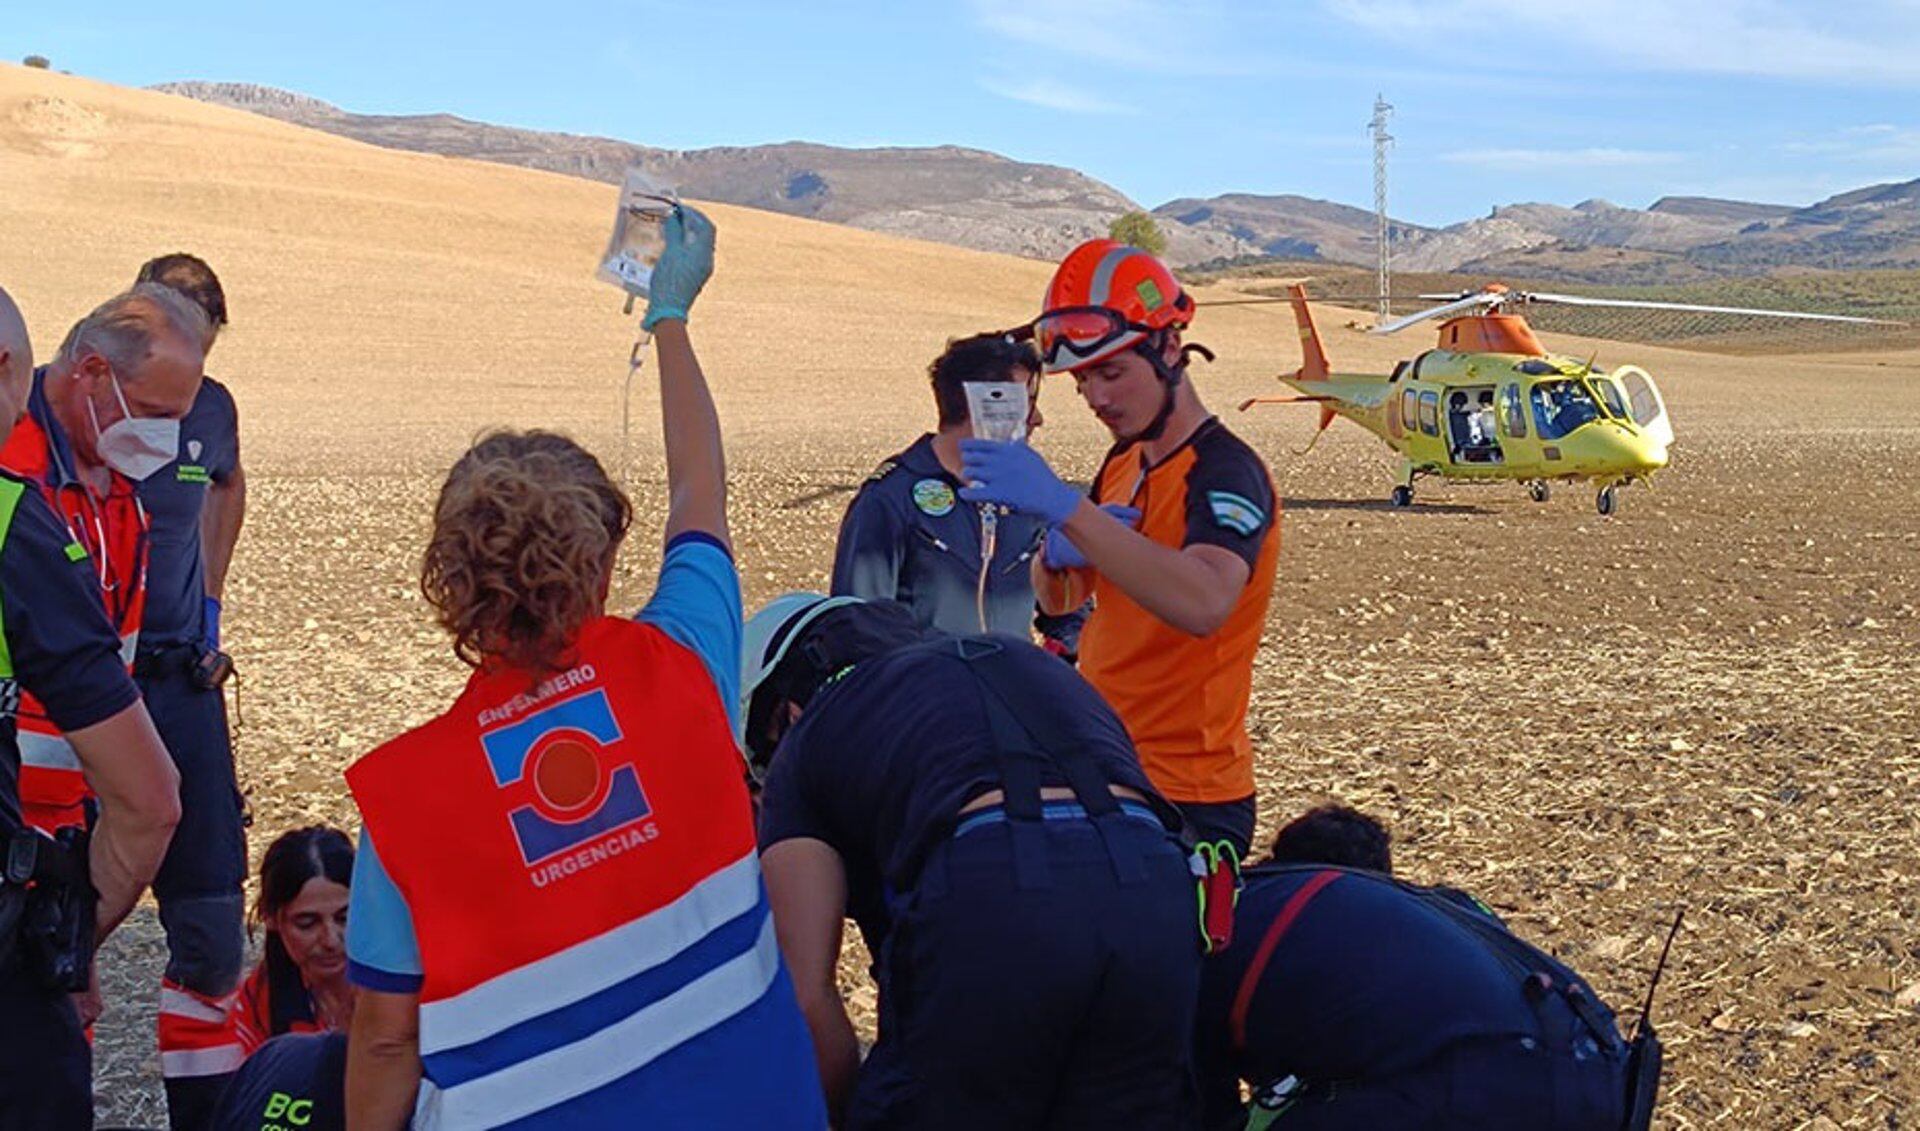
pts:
[1236, 513]
[881, 472]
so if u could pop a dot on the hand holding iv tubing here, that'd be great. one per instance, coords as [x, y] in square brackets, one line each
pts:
[998, 412]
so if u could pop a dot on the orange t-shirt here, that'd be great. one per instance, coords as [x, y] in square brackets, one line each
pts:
[1184, 698]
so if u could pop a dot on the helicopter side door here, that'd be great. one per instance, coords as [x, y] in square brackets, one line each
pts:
[1645, 404]
[1517, 440]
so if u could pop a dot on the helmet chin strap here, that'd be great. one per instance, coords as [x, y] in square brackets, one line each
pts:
[1152, 348]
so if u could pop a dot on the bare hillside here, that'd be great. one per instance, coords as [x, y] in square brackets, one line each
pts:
[959, 196]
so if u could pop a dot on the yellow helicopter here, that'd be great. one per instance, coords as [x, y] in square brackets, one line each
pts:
[1490, 403]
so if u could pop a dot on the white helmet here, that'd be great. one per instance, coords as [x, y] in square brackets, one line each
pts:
[767, 635]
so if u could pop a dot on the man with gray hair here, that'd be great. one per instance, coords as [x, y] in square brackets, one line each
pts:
[59, 897]
[104, 415]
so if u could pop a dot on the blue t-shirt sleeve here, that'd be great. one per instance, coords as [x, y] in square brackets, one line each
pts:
[382, 953]
[222, 429]
[697, 603]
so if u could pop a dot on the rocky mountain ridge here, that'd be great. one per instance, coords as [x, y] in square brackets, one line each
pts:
[983, 200]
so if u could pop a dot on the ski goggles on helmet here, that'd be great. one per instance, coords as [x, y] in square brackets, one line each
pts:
[1072, 336]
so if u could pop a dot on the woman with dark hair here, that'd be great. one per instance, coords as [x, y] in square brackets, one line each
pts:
[300, 985]
[557, 916]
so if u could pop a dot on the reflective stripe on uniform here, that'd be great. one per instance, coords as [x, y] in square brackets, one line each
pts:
[589, 967]
[216, 1061]
[543, 1081]
[180, 1003]
[196, 1033]
[47, 752]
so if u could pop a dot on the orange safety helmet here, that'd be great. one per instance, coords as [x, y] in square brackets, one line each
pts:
[1107, 296]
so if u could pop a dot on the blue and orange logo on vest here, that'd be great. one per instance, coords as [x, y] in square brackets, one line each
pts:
[553, 766]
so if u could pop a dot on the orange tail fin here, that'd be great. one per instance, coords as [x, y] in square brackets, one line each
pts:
[1313, 356]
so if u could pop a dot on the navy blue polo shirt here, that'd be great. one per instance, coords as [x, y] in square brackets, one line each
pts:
[1369, 980]
[174, 497]
[60, 644]
[296, 1081]
[881, 762]
[908, 537]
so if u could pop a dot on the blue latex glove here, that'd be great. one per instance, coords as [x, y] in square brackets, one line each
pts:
[1016, 476]
[1061, 553]
[210, 622]
[683, 269]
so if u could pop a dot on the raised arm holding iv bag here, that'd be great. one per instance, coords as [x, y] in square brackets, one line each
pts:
[998, 410]
[634, 248]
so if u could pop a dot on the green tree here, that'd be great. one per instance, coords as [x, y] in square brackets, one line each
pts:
[1140, 230]
[39, 61]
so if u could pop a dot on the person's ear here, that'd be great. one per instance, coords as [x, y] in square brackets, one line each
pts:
[1170, 348]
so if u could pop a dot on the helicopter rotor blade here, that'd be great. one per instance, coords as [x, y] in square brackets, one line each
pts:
[1479, 300]
[1632, 304]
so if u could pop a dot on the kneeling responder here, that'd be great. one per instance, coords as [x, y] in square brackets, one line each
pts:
[1349, 999]
[979, 811]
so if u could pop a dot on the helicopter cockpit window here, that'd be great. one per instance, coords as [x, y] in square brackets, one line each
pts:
[1513, 412]
[1561, 406]
[1610, 393]
[1646, 403]
[1430, 413]
[1537, 367]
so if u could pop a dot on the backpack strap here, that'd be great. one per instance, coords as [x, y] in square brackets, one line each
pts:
[1256, 969]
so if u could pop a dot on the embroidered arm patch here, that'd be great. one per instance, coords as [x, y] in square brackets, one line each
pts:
[1236, 513]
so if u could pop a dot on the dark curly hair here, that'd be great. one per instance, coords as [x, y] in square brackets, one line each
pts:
[983, 357]
[189, 275]
[1335, 834]
[524, 537]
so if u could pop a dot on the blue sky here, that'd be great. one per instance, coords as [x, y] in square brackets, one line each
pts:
[1785, 102]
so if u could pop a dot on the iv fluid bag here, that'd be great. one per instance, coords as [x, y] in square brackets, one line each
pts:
[637, 238]
[998, 409]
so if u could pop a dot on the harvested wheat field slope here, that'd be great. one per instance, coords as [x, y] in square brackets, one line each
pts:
[1708, 699]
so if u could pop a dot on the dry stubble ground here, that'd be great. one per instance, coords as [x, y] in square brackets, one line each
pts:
[1707, 701]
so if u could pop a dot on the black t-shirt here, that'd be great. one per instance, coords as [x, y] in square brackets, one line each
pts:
[60, 644]
[295, 1082]
[882, 761]
[1370, 979]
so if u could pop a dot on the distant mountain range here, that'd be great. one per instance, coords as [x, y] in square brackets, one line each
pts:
[944, 193]
[982, 200]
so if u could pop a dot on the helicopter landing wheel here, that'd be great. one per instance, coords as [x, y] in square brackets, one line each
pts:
[1539, 490]
[1401, 497]
[1606, 500]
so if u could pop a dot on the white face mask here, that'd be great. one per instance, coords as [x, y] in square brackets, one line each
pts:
[135, 446]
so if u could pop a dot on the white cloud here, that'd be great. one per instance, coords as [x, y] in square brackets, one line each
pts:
[1053, 95]
[1537, 160]
[1866, 42]
[1876, 144]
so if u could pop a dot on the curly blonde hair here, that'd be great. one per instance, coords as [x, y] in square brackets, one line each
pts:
[524, 537]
